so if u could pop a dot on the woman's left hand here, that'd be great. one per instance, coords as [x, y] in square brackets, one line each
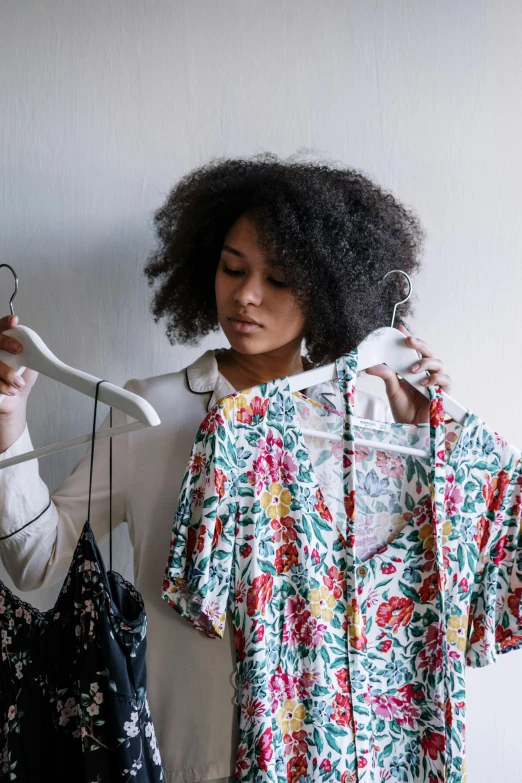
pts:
[408, 405]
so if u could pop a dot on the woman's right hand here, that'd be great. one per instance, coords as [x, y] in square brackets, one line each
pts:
[9, 380]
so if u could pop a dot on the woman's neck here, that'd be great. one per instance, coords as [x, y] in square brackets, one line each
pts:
[244, 370]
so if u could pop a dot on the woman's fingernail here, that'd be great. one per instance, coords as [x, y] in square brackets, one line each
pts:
[19, 381]
[425, 381]
[415, 367]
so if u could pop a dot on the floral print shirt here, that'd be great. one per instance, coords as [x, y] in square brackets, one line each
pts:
[361, 581]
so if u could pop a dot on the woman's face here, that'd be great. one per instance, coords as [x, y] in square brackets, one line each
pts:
[256, 310]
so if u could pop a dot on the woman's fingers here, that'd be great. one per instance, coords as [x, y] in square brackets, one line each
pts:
[438, 379]
[431, 364]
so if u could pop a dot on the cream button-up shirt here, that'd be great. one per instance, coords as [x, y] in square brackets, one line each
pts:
[190, 676]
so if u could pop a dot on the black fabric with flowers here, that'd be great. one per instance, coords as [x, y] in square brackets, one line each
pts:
[73, 702]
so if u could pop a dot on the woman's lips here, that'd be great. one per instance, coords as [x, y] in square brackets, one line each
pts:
[244, 326]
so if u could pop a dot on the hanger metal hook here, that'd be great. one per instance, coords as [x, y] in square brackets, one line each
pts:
[16, 286]
[410, 288]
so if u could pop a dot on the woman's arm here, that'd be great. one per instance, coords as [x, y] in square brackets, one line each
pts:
[39, 531]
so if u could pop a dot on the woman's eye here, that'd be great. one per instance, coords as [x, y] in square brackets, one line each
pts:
[230, 271]
[278, 283]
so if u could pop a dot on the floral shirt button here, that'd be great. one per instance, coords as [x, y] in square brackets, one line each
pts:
[362, 571]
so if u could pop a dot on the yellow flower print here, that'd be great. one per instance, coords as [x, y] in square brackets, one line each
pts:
[240, 401]
[457, 631]
[356, 634]
[322, 601]
[426, 535]
[446, 530]
[276, 501]
[228, 407]
[290, 716]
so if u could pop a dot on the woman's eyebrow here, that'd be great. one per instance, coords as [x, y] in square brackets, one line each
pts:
[233, 250]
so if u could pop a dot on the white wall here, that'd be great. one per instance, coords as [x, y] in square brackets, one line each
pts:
[104, 104]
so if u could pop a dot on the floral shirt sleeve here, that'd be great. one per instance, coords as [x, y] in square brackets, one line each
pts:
[201, 560]
[495, 616]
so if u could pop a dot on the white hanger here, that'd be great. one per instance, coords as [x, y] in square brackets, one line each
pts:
[37, 356]
[383, 346]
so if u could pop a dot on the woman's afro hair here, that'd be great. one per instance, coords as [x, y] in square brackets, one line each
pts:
[333, 232]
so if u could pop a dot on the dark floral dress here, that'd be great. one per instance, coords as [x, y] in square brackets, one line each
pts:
[73, 704]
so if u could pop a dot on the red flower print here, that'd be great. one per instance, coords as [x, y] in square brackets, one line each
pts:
[245, 550]
[288, 469]
[431, 654]
[201, 538]
[335, 581]
[514, 603]
[429, 588]
[436, 410]
[342, 710]
[242, 762]
[309, 631]
[433, 743]
[385, 645]
[325, 766]
[295, 744]
[220, 480]
[281, 687]
[448, 713]
[463, 586]
[494, 490]
[240, 645]
[320, 506]
[316, 557]
[197, 463]
[498, 552]
[260, 474]
[294, 607]
[479, 629]
[198, 496]
[482, 534]
[218, 529]
[502, 483]
[259, 594]
[304, 685]
[506, 638]
[349, 505]
[283, 529]
[264, 749]
[361, 762]
[212, 420]
[296, 769]
[389, 465]
[342, 679]
[388, 568]
[396, 612]
[452, 496]
[255, 410]
[259, 634]
[286, 557]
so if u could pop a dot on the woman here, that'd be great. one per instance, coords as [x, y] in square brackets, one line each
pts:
[276, 254]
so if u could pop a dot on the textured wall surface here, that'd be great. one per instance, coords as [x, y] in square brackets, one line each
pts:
[104, 104]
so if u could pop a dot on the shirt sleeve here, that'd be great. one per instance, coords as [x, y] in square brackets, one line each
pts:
[39, 529]
[495, 621]
[200, 567]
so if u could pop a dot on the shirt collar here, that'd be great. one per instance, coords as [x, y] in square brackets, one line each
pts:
[203, 376]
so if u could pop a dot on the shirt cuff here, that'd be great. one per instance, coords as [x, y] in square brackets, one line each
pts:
[23, 494]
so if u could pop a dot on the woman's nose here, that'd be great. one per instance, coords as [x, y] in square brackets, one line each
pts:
[248, 292]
